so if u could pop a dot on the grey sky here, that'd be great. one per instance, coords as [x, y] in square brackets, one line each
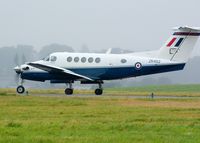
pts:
[128, 24]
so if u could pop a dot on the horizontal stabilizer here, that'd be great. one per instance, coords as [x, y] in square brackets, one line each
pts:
[187, 28]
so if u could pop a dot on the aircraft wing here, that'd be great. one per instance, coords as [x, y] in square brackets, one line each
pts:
[55, 69]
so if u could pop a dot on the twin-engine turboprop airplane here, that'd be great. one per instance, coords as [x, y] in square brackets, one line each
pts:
[89, 68]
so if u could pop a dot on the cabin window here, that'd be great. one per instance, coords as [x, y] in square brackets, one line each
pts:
[76, 59]
[97, 60]
[83, 59]
[53, 58]
[69, 59]
[90, 60]
[123, 61]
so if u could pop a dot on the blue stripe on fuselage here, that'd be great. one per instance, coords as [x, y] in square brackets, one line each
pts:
[108, 73]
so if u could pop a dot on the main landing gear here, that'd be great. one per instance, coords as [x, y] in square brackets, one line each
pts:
[99, 90]
[69, 90]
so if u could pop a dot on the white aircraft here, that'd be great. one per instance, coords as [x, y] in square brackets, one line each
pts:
[91, 68]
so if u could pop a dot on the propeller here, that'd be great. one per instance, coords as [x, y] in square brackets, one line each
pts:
[18, 73]
[19, 68]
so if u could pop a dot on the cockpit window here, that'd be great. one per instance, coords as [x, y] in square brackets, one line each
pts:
[53, 58]
[46, 59]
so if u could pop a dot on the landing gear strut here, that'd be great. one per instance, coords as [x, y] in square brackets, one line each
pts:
[69, 90]
[99, 90]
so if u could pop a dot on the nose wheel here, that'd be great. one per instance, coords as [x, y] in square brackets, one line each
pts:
[20, 89]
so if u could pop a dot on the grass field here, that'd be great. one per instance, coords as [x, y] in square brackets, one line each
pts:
[60, 119]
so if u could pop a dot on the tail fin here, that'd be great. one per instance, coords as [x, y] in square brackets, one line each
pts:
[179, 46]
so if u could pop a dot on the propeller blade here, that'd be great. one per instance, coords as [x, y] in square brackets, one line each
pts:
[18, 71]
[17, 76]
[16, 60]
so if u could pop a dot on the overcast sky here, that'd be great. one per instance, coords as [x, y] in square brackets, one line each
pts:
[100, 24]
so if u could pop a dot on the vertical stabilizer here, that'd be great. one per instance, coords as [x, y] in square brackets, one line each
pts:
[180, 45]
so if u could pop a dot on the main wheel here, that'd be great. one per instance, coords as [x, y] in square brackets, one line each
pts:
[20, 89]
[68, 91]
[98, 91]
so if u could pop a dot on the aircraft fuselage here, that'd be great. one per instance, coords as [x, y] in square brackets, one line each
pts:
[100, 66]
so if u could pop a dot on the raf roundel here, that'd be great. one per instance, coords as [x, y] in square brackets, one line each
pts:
[138, 66]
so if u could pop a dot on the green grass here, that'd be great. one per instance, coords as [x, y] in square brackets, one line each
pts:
[43, 119]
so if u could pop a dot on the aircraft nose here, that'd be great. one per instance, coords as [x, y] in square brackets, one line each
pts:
[17, 69]
[22, 68]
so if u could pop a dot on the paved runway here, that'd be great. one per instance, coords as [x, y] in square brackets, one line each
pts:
[121, 96]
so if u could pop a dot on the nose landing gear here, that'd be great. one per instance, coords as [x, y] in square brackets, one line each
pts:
[20, 89]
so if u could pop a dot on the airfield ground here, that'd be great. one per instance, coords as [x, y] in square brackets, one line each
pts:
[98, 119]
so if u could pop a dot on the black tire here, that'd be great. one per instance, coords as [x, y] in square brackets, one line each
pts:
[68, 91]
[20, 89]
[99, 91]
